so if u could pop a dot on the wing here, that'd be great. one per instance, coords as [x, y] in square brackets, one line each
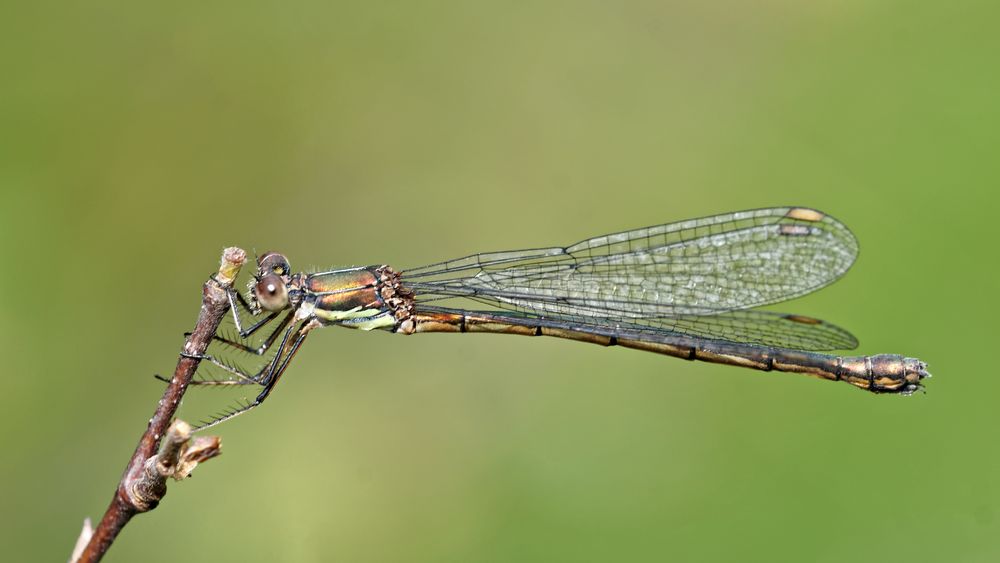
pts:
[763, 328]
[697, 267]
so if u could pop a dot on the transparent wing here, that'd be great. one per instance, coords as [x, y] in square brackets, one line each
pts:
[759, 327]
[764, 328]
[705, 266]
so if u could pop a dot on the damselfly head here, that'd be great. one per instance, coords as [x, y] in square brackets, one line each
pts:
[269, 286]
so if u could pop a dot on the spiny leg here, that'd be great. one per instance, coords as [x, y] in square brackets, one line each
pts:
[242, 376]
[263, 348]
[236, 303]
[275, 369]
[242, 380]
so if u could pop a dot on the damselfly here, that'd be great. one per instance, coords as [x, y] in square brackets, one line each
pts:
[686, 289]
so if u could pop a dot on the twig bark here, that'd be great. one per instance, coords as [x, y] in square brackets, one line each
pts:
[144, 482]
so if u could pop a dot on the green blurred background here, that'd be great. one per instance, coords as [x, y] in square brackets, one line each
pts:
[136, 141]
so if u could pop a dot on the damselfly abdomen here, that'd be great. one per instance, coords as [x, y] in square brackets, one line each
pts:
[688, 289]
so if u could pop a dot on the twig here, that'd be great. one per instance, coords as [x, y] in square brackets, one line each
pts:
[144, 482]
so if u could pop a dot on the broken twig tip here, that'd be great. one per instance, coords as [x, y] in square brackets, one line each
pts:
[202, 448]
[233, 259]
[172, 447]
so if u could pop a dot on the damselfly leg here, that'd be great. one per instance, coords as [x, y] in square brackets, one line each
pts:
[241, 341]
[269, 343]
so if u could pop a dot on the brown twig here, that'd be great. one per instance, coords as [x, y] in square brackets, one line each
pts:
[144, 482]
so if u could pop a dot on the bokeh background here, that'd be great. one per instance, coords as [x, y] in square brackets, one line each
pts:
[137, 140]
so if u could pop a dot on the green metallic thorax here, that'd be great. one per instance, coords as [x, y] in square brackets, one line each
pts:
[348, 298]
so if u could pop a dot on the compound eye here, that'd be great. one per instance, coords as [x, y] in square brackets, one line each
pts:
[273, 263]
[271, 293]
